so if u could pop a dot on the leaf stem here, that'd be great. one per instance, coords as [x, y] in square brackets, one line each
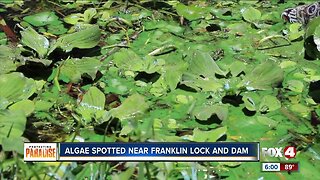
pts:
[162, 49]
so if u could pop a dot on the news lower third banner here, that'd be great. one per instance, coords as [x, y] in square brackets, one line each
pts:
[228, 151]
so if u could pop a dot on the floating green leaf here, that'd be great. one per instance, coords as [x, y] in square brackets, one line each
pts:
[86, 38]
[263, 76]
[12, 124]
[94, 98]
[251, 14]
[92, 105]
[172, 73]
[7, 56]
[72, 69]
[73, 18]
[35, 41]
[269, 103]
[251, 100]
[295, 86]
[89, 14]
[13, 144]
[131, 107]
[208, 136]
[43, 105]
[16, 87]
[27, 106]
[273, 41]
[191, 12]
[41, 19]
[129, 60]
[205, 112]
[295, 32]
[201, 73]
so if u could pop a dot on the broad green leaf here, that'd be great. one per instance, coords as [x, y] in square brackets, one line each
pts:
[7, 56]
[269, 103]
[92, 105]
[131, 107]
[201, 73]
[16, 87]
[72, 69]
[295, 27]
[183, 99]
[172, 73]
[73, 18]
[287, 64]
[94, 99]
[295, 86]
[205, 112]
[251, 14]
[203, 64]
[41, 19]
[89, 14]
[267, 121]
[43, 105]
[237, 67]
[13, 144]
[295, 32]
[264, 76]
[4, 102]
[300, 109]
[27, 106]
[35, 41]
[12, 124]
[191, 12]
[57, 29]
[208, 136]
[273, 41]
[251, 100]
[129, 60]
[86, 38]
[202, 84]
[164, 26]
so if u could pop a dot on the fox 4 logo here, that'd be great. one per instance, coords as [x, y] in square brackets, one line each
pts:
[288, 152]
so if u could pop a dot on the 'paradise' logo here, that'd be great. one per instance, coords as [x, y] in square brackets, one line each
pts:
[40, 152]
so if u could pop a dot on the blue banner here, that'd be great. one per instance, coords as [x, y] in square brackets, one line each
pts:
[228, 151]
